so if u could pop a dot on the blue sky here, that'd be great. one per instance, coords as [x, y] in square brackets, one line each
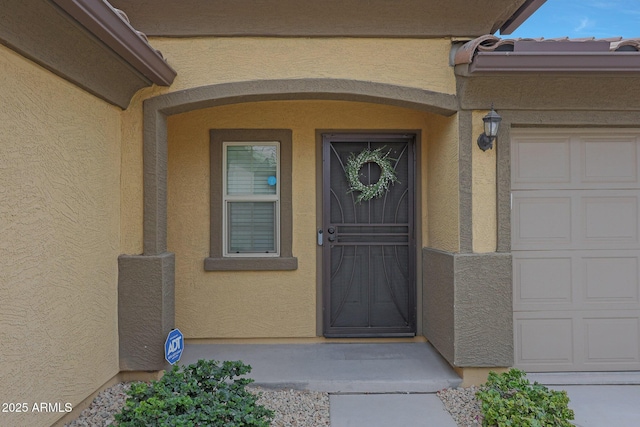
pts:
[583, 18]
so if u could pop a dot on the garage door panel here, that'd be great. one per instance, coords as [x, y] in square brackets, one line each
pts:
[541, 160]
[610, 220]
[576, 161]
[612, 340]
[542, 280]
[577, 341]
[544, 341]
[609, 160]
[573, 280]
[575, 219]
[541, 220]
[612, 278]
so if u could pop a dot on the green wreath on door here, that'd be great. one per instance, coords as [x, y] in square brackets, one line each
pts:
[387, 173]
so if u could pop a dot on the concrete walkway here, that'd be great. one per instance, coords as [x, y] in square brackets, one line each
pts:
[386, 410]
[384, 385]
[371, 385]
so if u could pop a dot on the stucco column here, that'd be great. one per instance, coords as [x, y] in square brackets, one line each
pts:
[467, 296]
[145, 309]
[146, 283]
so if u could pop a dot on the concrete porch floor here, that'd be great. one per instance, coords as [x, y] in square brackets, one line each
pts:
[337, 367]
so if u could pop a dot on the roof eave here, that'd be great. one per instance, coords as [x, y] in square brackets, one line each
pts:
[103, 21]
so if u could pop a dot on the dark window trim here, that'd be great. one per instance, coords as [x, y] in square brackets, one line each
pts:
[286, 260]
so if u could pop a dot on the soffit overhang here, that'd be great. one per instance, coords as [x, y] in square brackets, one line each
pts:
[328, 18]
[551, 92]
[87, 42]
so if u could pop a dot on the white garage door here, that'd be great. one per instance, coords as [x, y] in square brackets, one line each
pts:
[576, 249]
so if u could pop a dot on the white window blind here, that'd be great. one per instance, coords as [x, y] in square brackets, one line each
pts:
[251, 199]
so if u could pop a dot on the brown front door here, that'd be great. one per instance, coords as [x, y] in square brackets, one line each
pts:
[368, 245]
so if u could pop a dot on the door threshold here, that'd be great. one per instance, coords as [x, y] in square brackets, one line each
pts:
[308, 340]
[372, 336]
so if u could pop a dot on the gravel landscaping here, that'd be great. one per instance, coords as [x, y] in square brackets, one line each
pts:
[463, 406]
[293, 408]
[296, 408]
[103, 408]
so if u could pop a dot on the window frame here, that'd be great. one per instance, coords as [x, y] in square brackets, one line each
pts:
[227, 199]
[217, 261]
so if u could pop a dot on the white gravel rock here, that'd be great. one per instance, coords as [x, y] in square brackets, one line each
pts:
[295, 408]
[463, 406]
[102, 410]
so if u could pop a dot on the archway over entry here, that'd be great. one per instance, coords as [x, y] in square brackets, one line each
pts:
[146, 282]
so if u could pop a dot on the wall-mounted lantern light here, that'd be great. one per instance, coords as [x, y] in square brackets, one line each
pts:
[491, 125]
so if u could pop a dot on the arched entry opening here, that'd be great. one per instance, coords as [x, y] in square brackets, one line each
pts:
[154, 272]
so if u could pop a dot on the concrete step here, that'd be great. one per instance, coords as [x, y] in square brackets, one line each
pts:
[337, 367]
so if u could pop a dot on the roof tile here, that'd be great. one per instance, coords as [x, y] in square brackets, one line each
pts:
[491, 43]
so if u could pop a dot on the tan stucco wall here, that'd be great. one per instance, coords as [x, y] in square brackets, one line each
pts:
[60, 227]
[257, 304]
[443, 230]
[421, 63]
[484, 201]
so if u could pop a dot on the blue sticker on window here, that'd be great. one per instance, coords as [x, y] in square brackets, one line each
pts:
[271, 180]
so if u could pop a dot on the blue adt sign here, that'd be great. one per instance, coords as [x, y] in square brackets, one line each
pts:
[173, 346]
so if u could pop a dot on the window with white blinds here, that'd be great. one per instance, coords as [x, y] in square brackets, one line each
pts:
[251, 193]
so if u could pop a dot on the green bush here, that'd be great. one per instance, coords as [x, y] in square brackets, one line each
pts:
[510, 400]
[202, 394]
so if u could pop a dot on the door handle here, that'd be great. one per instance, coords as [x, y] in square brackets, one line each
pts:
[332, 238]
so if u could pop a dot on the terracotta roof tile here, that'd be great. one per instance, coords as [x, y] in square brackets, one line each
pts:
[491, 43]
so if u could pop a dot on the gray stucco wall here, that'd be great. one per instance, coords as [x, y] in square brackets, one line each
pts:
[438, 286]
[468, 307]
[146, 309]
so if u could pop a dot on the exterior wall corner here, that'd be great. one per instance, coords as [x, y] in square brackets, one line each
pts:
[467, 304]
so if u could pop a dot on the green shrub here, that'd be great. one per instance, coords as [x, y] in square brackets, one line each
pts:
[202, 394]
[509, 399]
